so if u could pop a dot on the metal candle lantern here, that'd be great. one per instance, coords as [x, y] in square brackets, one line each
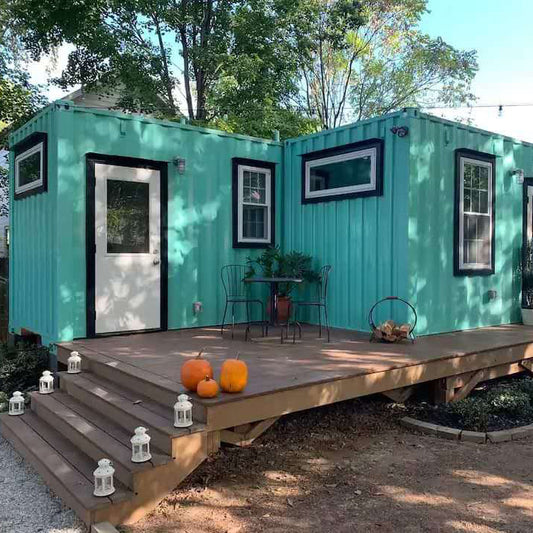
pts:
[140, 446]
[16, 404]
[103, 478]
[46, 383]
[183, 412]
[74, 363]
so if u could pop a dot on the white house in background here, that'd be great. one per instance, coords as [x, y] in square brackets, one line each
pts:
[99, 99]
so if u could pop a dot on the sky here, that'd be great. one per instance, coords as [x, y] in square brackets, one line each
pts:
[501, 32]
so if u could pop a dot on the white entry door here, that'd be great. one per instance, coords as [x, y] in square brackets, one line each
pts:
[128, 244]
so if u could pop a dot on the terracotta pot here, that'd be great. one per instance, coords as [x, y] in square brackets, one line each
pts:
[284, 303]
[527, 316]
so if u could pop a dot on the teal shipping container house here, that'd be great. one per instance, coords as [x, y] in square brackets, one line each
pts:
[122, 223]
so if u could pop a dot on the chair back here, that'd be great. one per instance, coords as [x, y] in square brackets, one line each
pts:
[323, 283]
[232, 280]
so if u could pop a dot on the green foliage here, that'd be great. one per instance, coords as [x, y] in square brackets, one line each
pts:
[275, 263]
[21, 367]
[508, 400]
[526, 271]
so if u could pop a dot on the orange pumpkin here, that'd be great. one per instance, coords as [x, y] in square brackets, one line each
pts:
[233, 375]
[207, 388]
[194, 370]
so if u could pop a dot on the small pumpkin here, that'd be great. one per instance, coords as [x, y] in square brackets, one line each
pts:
[207, 388]
[233, 375]
[194, 370]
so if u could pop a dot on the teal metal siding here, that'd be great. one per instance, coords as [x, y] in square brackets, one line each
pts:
[199, 211]
[32, 302]
[364, 239]
[446, 302]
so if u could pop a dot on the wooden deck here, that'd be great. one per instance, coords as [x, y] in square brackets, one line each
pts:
[130, 381]
[313, 371]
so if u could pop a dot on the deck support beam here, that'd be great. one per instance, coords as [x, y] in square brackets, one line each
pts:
[400, 395]
[245, 434]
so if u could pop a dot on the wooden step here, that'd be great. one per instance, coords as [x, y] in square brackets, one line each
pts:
[160, 389]
[92, 433]
[125, 407]
[66, 470]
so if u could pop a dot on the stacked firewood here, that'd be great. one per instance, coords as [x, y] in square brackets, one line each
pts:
[389, 331]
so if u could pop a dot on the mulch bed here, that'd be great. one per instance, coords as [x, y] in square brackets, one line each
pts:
[497, 405]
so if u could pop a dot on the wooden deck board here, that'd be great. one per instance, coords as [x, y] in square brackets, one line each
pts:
[275, 367]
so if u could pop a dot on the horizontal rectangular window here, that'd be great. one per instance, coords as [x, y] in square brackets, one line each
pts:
[253, 203]
[30, 165]
[344, 171]
[474, 246]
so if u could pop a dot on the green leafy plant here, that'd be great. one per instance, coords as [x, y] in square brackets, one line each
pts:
[21, 368]
[275, 263]
[526, 270]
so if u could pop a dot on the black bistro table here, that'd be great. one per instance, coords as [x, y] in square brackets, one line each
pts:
[274, 282]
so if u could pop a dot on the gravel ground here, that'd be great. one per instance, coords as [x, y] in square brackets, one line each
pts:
[26, 504]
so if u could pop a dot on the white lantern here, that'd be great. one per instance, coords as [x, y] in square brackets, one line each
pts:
[46, 383]
[183, 412]
[16, 404]
[140, 446]
[74, 363]
[103, 478]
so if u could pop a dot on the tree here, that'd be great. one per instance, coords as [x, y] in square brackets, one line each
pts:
[361, 59]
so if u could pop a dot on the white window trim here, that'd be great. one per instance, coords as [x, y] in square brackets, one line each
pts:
[356, 154]
[481, 163]
[267, 204]
[21, 157]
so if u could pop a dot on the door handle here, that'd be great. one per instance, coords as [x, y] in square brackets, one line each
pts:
[156, 261]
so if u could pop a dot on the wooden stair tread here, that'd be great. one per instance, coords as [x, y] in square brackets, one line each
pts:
[124, 400]
[107, 445]
[107, 425]
[145, 375]
[58, 460]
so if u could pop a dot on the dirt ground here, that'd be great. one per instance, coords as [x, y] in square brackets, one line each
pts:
[350, 467]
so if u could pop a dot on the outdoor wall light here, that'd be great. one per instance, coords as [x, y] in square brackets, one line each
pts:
[401, 131]
[519, 175]
[179, 163]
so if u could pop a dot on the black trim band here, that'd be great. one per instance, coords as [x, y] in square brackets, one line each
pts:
[378, 144]
[487, 158]
[90, 251]
[235, 163]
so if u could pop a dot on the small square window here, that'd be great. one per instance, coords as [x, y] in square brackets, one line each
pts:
[253, 198]
[30, 165]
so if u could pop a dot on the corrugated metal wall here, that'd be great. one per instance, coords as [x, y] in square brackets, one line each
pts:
[446, 302]
[199, 211]
[32, 276]
[364, 239]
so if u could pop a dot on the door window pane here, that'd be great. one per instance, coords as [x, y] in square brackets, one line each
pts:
[128, 217]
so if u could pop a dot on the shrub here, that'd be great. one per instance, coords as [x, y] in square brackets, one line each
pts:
[474, 413]
[21, 367]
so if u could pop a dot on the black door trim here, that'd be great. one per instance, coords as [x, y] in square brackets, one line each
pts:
[90, 243]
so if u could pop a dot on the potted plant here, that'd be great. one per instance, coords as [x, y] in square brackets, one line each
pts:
[275, 263]
[527, 284]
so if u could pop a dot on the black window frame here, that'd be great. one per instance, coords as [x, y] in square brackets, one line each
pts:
[484, 157]
[237, 162]
[376, 143]
[23, 146]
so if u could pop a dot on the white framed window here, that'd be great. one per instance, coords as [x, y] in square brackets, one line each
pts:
[253, 184]
[344, 171]
[474, 246]
[30, 162]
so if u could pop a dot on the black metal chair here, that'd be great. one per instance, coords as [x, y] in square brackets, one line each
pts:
[236, 292]
[321, 303]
